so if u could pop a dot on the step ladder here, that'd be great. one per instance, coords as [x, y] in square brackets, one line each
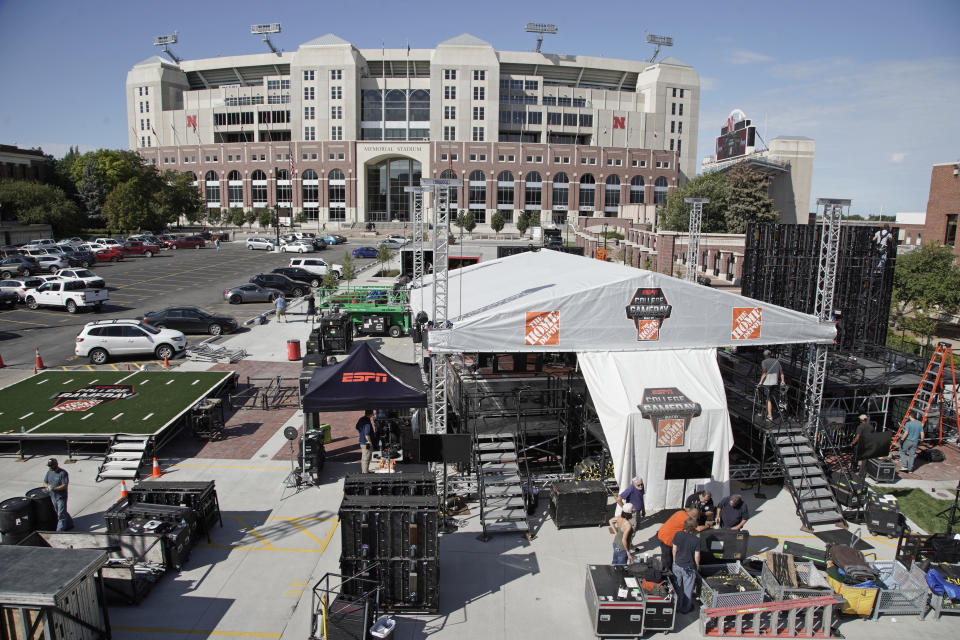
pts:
[927, 402]
[502, 508]
[801, 618]
[124, 458]
[803, 475]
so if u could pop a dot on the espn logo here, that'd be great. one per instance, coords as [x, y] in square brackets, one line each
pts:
[364, 376]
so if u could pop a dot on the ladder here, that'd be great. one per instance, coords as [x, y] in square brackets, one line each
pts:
[502, 508]
[930, 392]
[124, 458]
[801, 618]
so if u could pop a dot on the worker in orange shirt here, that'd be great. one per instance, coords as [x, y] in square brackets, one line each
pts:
[669, 529]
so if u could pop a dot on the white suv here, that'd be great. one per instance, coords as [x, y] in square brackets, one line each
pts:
[259, 243]
[316, 266]
[101, 340]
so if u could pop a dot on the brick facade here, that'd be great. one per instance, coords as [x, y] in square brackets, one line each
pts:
[943, 204]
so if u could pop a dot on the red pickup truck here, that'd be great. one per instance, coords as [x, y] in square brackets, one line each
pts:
[137, 248]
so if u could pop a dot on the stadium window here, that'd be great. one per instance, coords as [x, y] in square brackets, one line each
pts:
[666, 165]
[146, 91]
[680, 113]
[549, 101]
[674, 92]
[308, 74]
[336, 113]
[332, 156]
[336, 92]
[673, 108]
[336, 133]
[673, 126]
[453, 157]
[449, 133]
[479, 74]
[483, 157]
[564, 101]
[336, 74]
[529, 158]
[569, 119]
[511, 159]
[500, 158]
[593, 161]
[478, 134]
[531, 85]
[678, 145]
[309, 113]
[658, 164]
[681, 93]
[535, 117]
[473, 157]
[443, 156]
[479, 93]
[671, 144]
[554, 117]
[539, 159]
[140, 91]
[309, 93]
[340, 156]
[449, 74]
[586, 119]
[449, 113]
[450, 92]
[680, 127]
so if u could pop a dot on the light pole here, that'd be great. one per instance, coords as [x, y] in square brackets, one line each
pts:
[276, 223]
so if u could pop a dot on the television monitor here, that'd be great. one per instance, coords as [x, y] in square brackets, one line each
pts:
[687, 465]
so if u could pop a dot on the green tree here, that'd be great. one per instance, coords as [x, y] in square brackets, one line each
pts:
[497, 222]
[299, 218]
[675, 216]
[176, 195]
[926, 282]
[460, 221]
[91, 188]
[750, 199]
[251, 216]
[329, 281]
[35, 203]
[237, 217]
[384, 255]
[523, 222]
[469, 222]
[127, 207]
[349, 270]
[265, 217]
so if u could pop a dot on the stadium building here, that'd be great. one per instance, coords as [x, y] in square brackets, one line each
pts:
[335, 132]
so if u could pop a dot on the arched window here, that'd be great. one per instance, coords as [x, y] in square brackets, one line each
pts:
[587, 192]
[561, 191]
[258, 188]
[235, 188]
[612, 195]
[636, 190]
[284, 188]
[193, 177]
[478, 193]
[396, 105]
[310, 190]
[212, 181]
[449, 174]
[337, 192]
[505, 190]
[420, 105]
[660, 190]
[532, 191]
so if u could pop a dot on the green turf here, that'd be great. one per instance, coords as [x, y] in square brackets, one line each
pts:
[160, 397]
[919, 506]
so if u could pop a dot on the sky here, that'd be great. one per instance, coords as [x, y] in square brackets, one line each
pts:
[876, 84]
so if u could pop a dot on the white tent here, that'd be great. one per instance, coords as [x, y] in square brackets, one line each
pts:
[642, 338]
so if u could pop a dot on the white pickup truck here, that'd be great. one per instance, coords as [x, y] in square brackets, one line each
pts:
[72, 294]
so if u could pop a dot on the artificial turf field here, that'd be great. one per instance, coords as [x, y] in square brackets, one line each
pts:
[158, 398]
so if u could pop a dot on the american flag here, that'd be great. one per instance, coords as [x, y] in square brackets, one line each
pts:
[293, 171]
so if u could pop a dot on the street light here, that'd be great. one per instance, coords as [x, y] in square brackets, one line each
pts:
[276, 223]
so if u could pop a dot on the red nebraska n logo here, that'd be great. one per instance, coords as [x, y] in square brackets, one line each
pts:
[192, 122]
[619, 123]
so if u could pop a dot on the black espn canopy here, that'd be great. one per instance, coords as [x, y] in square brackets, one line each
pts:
[366, 379]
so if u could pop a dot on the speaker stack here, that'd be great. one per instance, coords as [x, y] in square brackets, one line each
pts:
[581, 503]
[389, 534]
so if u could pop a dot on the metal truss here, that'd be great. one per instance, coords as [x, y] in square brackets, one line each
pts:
[823, 307]
[693, 238]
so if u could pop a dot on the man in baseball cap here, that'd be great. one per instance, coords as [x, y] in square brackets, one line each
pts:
[56, 482]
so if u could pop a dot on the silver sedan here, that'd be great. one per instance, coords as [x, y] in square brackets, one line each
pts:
[250, 292]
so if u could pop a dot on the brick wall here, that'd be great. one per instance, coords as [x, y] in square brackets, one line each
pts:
[944, 200]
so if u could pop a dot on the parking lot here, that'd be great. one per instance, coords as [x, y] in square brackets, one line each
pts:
[195, 277]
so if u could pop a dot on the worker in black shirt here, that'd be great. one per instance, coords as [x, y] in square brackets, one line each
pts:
[702, 501]
[686, 562]
[733, 512]
[864, 429]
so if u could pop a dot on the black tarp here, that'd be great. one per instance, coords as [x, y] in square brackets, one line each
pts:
[365, 379]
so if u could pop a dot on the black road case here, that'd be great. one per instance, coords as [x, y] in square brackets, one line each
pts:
[610, 615]
[581, 503]
[881, 470]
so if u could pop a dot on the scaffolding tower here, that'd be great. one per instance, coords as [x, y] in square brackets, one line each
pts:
[693, 240]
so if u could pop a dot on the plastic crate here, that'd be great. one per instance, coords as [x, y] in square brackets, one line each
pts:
[858, 601]
[713, 599]
[806, 571]
[904, 593]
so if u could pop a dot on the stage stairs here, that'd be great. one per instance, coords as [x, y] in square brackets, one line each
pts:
[500, 484]
[127, 453]
[803, 474]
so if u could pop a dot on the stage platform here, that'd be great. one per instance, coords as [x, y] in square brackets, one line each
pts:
[100, 404]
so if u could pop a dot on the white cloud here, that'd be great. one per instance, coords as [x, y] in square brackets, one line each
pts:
[744, 56]
[897, 157]
[707, 84]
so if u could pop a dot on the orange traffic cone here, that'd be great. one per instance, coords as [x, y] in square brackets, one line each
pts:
[128, 367]
[38, 366]
[123, 488]
[156, 470]
[1, 363]
[166, 363]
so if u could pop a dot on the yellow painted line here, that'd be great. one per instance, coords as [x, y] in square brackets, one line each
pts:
[294, 522]
[251, 530]
[245, 548]
[329, 537]
[225, 466]
[205, 632]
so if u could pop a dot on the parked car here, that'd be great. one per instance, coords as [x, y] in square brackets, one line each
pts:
[20, 286]
[401, 240]
[8, 299]
[52, 263]
[187, 242]
[390, 244]
[297, 246]
[250, 292]
[17, 266]
[317, 266]
[108, 255]
[84, 275]
[34, 251]
[364, 252]
[305, 235]
[300, 275]
[287, 238]
[107, 242]
[78, 258]
[281, 283]
[72, 242]
[337, 239]
[70, 294]
[101, 340]
[139, 248]
[259, 243]
[44, 242]
[191, 320]
[319, 244]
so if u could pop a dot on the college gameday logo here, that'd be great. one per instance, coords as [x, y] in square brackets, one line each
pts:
[363, 376]
[542, 328]
[670, 412]
[747, 322]
[648, 309]
[86, 398]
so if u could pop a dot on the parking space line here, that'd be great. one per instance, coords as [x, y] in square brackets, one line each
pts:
[251, 530]
[294, 522]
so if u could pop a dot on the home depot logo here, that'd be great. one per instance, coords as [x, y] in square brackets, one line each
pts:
[648, 309]
[542, 328]
[86, 398]
[670, 412]
[364, 376]
[747, 322]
